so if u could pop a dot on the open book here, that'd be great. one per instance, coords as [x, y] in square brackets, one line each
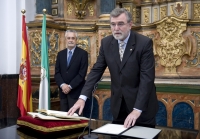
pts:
[120, 130]
[55, 115]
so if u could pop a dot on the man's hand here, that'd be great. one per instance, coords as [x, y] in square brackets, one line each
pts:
[66, 89]
[131, 118]
[78, 105]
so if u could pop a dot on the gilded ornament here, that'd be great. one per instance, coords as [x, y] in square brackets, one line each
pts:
[171, 46]
[146, 15]
[80, 7]
[91, 10]
[104, 34]
[180, 10]
[52, 40]
[84, 43]
[53, 48]
[35, 48]
[134, 15]
[155, 14]
[133, 10]
[163, 12]
[197, 11]
[128, 8]
[69, 8]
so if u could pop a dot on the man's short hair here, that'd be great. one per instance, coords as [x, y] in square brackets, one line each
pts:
[118, 11]
[67, 31]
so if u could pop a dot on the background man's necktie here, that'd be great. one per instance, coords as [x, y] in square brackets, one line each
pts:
[121, 50]
[69, 57]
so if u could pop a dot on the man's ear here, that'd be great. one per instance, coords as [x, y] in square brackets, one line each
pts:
[131, 23]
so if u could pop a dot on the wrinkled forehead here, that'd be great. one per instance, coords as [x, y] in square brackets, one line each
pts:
[71, 34]
[121, 18]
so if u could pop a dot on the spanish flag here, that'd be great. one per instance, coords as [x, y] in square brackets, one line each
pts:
[24, 101]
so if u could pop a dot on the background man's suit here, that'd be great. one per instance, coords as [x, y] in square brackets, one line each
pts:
[74, 74]
[132, 79]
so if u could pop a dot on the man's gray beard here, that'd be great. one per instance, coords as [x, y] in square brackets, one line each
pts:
[118, 38]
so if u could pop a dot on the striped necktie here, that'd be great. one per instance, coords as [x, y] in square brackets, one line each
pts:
[69, 57]
[121, 50]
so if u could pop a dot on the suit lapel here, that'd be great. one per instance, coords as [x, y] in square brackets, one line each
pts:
[115, 48]
[65, 58]
[129, 50]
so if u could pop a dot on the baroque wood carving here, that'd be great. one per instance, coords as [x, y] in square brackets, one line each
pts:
[170, 46]
[35, 49]
[180, 10]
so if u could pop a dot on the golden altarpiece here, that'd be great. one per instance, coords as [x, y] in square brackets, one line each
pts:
[174, 27]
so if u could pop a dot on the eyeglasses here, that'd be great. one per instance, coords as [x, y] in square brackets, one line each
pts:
[119, 24]
[73, 38]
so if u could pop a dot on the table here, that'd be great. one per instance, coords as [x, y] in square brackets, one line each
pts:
[166, 133]
[16, 132]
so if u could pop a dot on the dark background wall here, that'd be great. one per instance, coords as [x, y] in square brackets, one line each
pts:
[9, 111]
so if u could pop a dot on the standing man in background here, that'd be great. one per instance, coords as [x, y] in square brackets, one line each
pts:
[130, 59]
[70, 71]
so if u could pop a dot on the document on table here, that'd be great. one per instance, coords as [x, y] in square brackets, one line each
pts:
[141, 132]
[120, 130]
[113, 129]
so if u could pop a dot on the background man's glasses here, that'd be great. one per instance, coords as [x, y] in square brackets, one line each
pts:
[120, 24]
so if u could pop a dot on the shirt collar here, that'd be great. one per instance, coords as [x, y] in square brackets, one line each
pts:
[71, 50]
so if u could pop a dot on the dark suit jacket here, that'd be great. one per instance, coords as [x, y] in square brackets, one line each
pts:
[133, 78]
[74, 74]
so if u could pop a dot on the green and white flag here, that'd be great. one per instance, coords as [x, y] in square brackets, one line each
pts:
[44, 94]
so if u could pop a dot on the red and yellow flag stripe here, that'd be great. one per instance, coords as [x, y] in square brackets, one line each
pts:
[24, 89]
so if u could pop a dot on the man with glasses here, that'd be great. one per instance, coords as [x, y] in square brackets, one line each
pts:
[70, 71]
[130, 59]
